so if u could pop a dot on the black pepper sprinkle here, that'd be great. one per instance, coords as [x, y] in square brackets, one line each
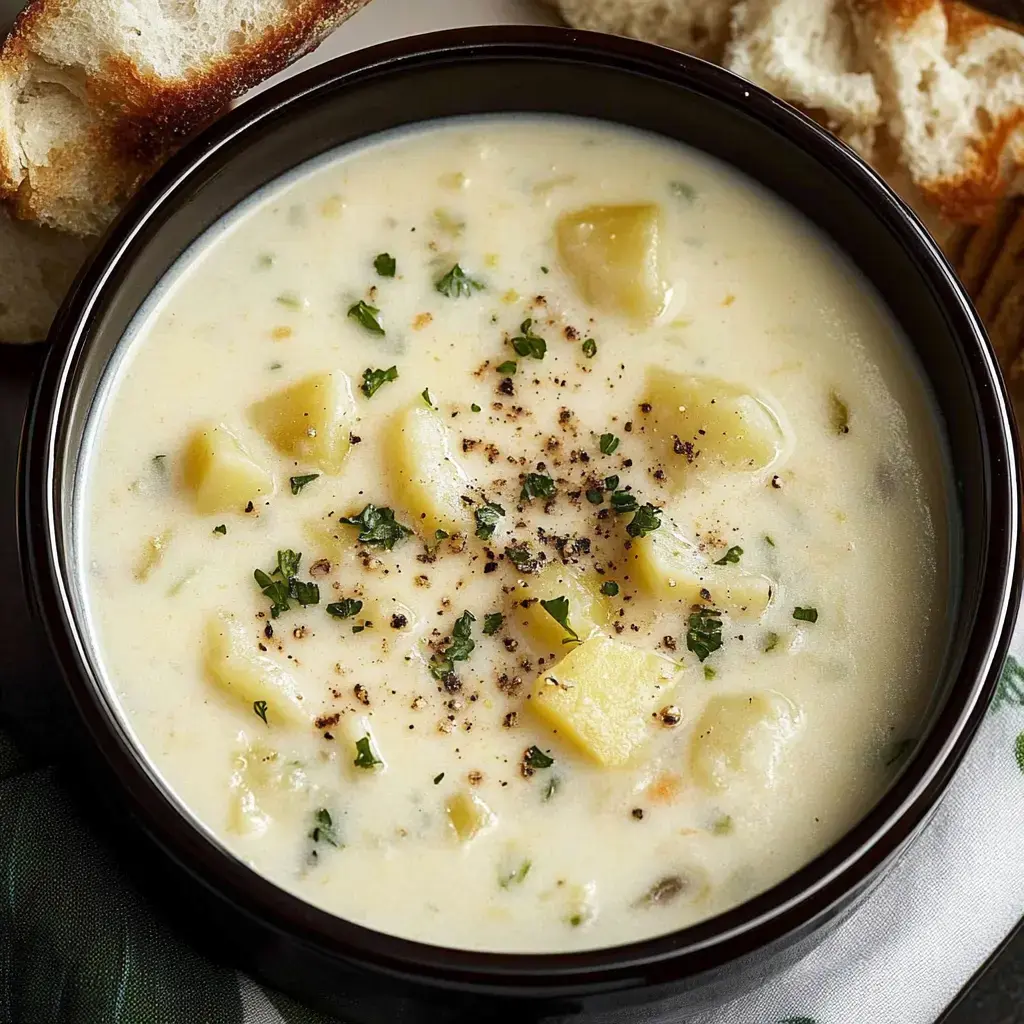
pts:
[638, 813]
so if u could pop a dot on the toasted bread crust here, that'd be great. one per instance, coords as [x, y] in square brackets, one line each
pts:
[136, 118]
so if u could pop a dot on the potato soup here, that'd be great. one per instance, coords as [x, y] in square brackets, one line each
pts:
[520, 534]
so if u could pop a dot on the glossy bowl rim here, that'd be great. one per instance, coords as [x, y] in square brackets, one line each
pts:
[797, 902]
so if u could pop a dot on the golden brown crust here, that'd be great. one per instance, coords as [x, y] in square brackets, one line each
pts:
[140, 118]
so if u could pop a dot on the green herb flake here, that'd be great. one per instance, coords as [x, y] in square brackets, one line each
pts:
[521, 557]
[682, 190]
[366, 756]
[611, 482]
[805, 614]
[493, 621]
[646, 520]
[438, 777]
[486, 517]
[441, 535]
[275, 591]
[595, 495]
[323, 830]
[425, 395]
[1018, 750]
[838, 414]
[457, 283]
[516, 877]
[771, 641]
[545, 270]
[222, 529]
[527, 343]
[298, 482]
[345, 608]
[722, 825]
[537, 485]
[610, 588]
[536, 758]
[709, 673]
[377, 527]
[366, 316]
[373, 380]
[507, 368]
[474, 407]
[731, 556]
[704, 632]
[305, 593]
[769, 541]
[442, 663]
[624, 502]
[265, 260]
[291, 300]
[589, 348]
[260, 707]
[385, 264]
[609, 442]
[558, 609]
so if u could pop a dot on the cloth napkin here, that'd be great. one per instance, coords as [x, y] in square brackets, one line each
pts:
[79, 945]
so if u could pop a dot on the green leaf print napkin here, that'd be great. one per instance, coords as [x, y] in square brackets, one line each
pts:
[78, 944]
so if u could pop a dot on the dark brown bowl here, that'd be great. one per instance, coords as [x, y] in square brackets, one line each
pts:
[368, 976]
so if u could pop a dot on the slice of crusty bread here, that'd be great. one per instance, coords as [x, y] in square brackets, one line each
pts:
[94, 94]
[700, 27]
[808, 53]
[952, 87]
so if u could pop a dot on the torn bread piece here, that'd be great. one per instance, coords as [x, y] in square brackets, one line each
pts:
[808, 54]
[700, 27]
[951, 82]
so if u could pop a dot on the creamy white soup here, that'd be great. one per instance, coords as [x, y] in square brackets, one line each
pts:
[522, 535]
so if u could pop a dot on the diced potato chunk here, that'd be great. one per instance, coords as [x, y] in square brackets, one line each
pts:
[587, 610]
[262, 780]
[233, 663]
[468, 815]
[742, 736]
[670, 567]
[705, 424]
[601, 696]
[429, 481]
[612, 254]
[220, 472]
[310, 421]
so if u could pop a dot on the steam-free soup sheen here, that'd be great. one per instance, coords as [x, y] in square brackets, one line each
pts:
[521, 535]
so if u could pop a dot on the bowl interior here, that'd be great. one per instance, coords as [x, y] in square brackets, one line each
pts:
[644, 88]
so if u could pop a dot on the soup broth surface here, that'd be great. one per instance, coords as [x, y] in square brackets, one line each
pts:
[520, 535]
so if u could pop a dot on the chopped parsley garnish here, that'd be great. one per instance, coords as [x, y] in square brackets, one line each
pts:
[522, 559]
[732, 555]
[536, 758]
[609, 442]
[838, 414]
[769, 541]
[373, 379]
[595, 495]
[709, 673]
[425, 395]
[290, 300]
[366, 756]
[298, 482]
[682, 190]
[508, 368]
[611, 482]
[609, 588]
[441, 535]
[623, 502]
[589, 348]
[442, 663]
[558, 609]
[377, 527]
[366, 316]
[526, 343]
[805, 614]
[474, 407]
[771, 641]
[487, 516]
[222, 529]
[516, 877]
[260, 707]
[438, 777]
[385, 265]
[704, 632]
[286, 587]
[345, 608]
[646, 520]
[323, 830]
[492, 623]
[537, 485]
[457, 283]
